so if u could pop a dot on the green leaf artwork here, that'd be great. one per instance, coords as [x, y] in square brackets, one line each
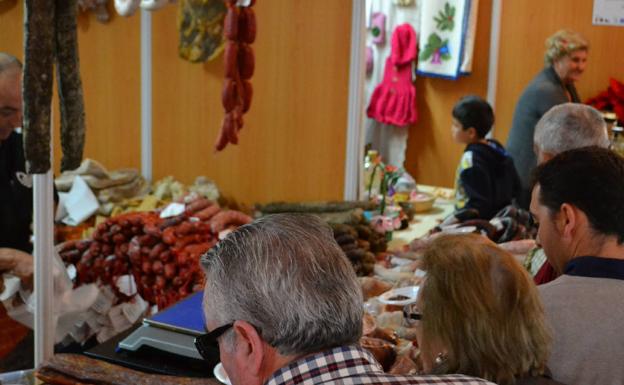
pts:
[436, 49]
[445, 21]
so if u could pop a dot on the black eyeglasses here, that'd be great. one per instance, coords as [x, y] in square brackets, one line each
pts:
[411, 314]
[207, 344]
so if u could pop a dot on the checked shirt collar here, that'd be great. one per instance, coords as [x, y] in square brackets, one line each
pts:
[342, 361]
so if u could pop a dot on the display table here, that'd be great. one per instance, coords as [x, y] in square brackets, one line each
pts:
[423, 222]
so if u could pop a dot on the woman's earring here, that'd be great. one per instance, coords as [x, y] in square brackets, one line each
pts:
[440, 359]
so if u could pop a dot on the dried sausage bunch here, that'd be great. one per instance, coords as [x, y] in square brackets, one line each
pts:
[360, 243]
[162, 254]
[240, 32]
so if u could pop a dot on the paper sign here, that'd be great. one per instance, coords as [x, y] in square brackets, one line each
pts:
[126, 285]
[608, 12]
[80, 202]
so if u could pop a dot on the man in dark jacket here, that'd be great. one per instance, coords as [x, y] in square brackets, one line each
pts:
[15, 211]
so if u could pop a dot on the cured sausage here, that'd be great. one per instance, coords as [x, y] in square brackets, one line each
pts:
[239, 61]
[50, 33]
[246, 61]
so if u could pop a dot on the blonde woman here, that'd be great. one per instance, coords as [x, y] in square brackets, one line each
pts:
[565, 60]
[479, 313]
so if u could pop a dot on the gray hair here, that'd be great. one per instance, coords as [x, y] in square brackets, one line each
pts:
[286, 275]
[568, 126]
[8, 61]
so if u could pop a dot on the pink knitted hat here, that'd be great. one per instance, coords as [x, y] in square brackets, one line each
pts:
[404, 45]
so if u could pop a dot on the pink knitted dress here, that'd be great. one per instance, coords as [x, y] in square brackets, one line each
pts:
[394, 99]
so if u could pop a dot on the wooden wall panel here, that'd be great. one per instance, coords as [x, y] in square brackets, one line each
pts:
[293, 144]
[525, 26]
[11, 20]
[432, 156]
[110, 68]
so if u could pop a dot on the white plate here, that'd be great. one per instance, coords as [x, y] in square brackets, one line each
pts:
[221, 375]
[411, 292]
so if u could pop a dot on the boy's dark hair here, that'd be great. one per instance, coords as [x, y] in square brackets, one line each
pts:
[589, 178]
[473, 111]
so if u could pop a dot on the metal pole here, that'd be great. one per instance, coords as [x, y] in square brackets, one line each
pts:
[44, 325]
[355, 123]
[494, 52]
[146, 94]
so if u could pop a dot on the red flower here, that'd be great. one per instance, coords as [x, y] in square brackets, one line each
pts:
[610, 100]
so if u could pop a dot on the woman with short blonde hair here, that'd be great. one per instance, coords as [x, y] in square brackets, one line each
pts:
[562, 43]
[480, 313]
[566, 59]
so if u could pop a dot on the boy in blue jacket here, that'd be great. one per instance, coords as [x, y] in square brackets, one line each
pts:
[486, 179]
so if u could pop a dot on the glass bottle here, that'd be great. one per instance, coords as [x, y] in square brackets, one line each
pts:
[372, 173]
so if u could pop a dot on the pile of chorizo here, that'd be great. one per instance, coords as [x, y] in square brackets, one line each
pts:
[161, 254]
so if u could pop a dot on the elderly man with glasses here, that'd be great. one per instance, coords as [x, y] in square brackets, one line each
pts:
[283, 306]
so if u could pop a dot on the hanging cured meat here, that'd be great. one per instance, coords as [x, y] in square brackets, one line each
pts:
[200, 23]
[240, 32]
[69, 85]
[50, 33]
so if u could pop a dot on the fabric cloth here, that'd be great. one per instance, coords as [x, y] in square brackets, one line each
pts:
[444, 37]
[545, 274]
[394, 100]
[542, 380]
[352, 365]
[544, 92]
[486, 180]
[585, 308]
[15, 196]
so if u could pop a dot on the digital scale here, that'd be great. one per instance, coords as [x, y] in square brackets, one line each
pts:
[173, 330]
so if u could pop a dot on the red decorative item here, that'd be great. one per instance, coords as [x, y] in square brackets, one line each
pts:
[610, 100]
[394, 100]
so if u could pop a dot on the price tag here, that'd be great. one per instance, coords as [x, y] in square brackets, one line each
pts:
[134, 309]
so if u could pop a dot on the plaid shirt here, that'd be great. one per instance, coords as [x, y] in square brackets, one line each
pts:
[353, 365]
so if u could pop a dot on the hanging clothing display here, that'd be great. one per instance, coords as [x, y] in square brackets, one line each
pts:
[394, 100]
[389, 140]
[447, 37]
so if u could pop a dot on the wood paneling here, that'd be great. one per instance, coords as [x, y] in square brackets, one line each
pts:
[11, 21]
[293, 143]
[292, 146]
[110, 68]
[432, 156]
[524, 28]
